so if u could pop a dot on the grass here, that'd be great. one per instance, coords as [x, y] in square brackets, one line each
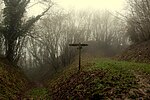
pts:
[102, 77]
[39, 93]
[121, 65]
[99, 78]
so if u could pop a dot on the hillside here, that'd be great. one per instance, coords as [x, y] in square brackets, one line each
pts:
[99, 78]
[102, 79]
[139, 52]
[12, 82]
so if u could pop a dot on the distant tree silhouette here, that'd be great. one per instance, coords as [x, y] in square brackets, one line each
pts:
[138, 20]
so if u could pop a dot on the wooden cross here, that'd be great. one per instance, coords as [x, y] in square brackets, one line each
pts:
[79, 48]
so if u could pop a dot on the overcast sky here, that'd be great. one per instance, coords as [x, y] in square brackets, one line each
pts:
[95, 4]
[112, 5]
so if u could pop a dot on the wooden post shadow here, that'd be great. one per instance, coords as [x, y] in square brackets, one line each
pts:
[79, 48]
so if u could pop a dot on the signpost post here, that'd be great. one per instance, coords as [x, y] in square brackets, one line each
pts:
[79, 48]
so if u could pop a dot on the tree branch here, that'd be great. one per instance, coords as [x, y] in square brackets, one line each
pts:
[30, 22]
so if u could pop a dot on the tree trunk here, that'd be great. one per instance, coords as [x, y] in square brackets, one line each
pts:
[10, 50]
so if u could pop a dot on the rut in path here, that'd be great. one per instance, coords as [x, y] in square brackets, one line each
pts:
[37, 92]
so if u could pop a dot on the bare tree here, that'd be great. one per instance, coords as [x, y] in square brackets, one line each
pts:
[139, 20]
[48, 45]
[1, 36]
[14, 28]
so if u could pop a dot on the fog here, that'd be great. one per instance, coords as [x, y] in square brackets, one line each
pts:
[92, 4]
[74, 49]
[97, 23]
[112, 5]
[43, 50]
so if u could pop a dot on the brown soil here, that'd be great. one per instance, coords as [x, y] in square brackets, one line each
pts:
[139, 52]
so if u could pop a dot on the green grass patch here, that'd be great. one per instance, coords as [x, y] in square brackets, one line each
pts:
[106, 78]
[123, 66]
[38, 94]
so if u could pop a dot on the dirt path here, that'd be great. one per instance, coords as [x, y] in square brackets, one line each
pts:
[37, 92]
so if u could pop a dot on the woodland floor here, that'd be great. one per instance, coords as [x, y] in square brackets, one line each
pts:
[37, 92]
[102, 78]
[139, 52]
[99, 78]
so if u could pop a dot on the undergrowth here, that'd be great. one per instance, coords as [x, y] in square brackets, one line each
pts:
[12, 82]
[40, 93]
[100, 78]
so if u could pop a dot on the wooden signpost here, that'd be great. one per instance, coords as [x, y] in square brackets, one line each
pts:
[79, 48]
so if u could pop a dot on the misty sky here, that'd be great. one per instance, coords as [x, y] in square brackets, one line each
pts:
[112, 5]
[95, 4]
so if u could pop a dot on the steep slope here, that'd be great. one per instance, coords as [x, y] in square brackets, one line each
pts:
[12, 82]
[139, 52]
[102, 79]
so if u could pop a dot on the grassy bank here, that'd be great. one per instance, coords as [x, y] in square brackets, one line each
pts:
[103, 78]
